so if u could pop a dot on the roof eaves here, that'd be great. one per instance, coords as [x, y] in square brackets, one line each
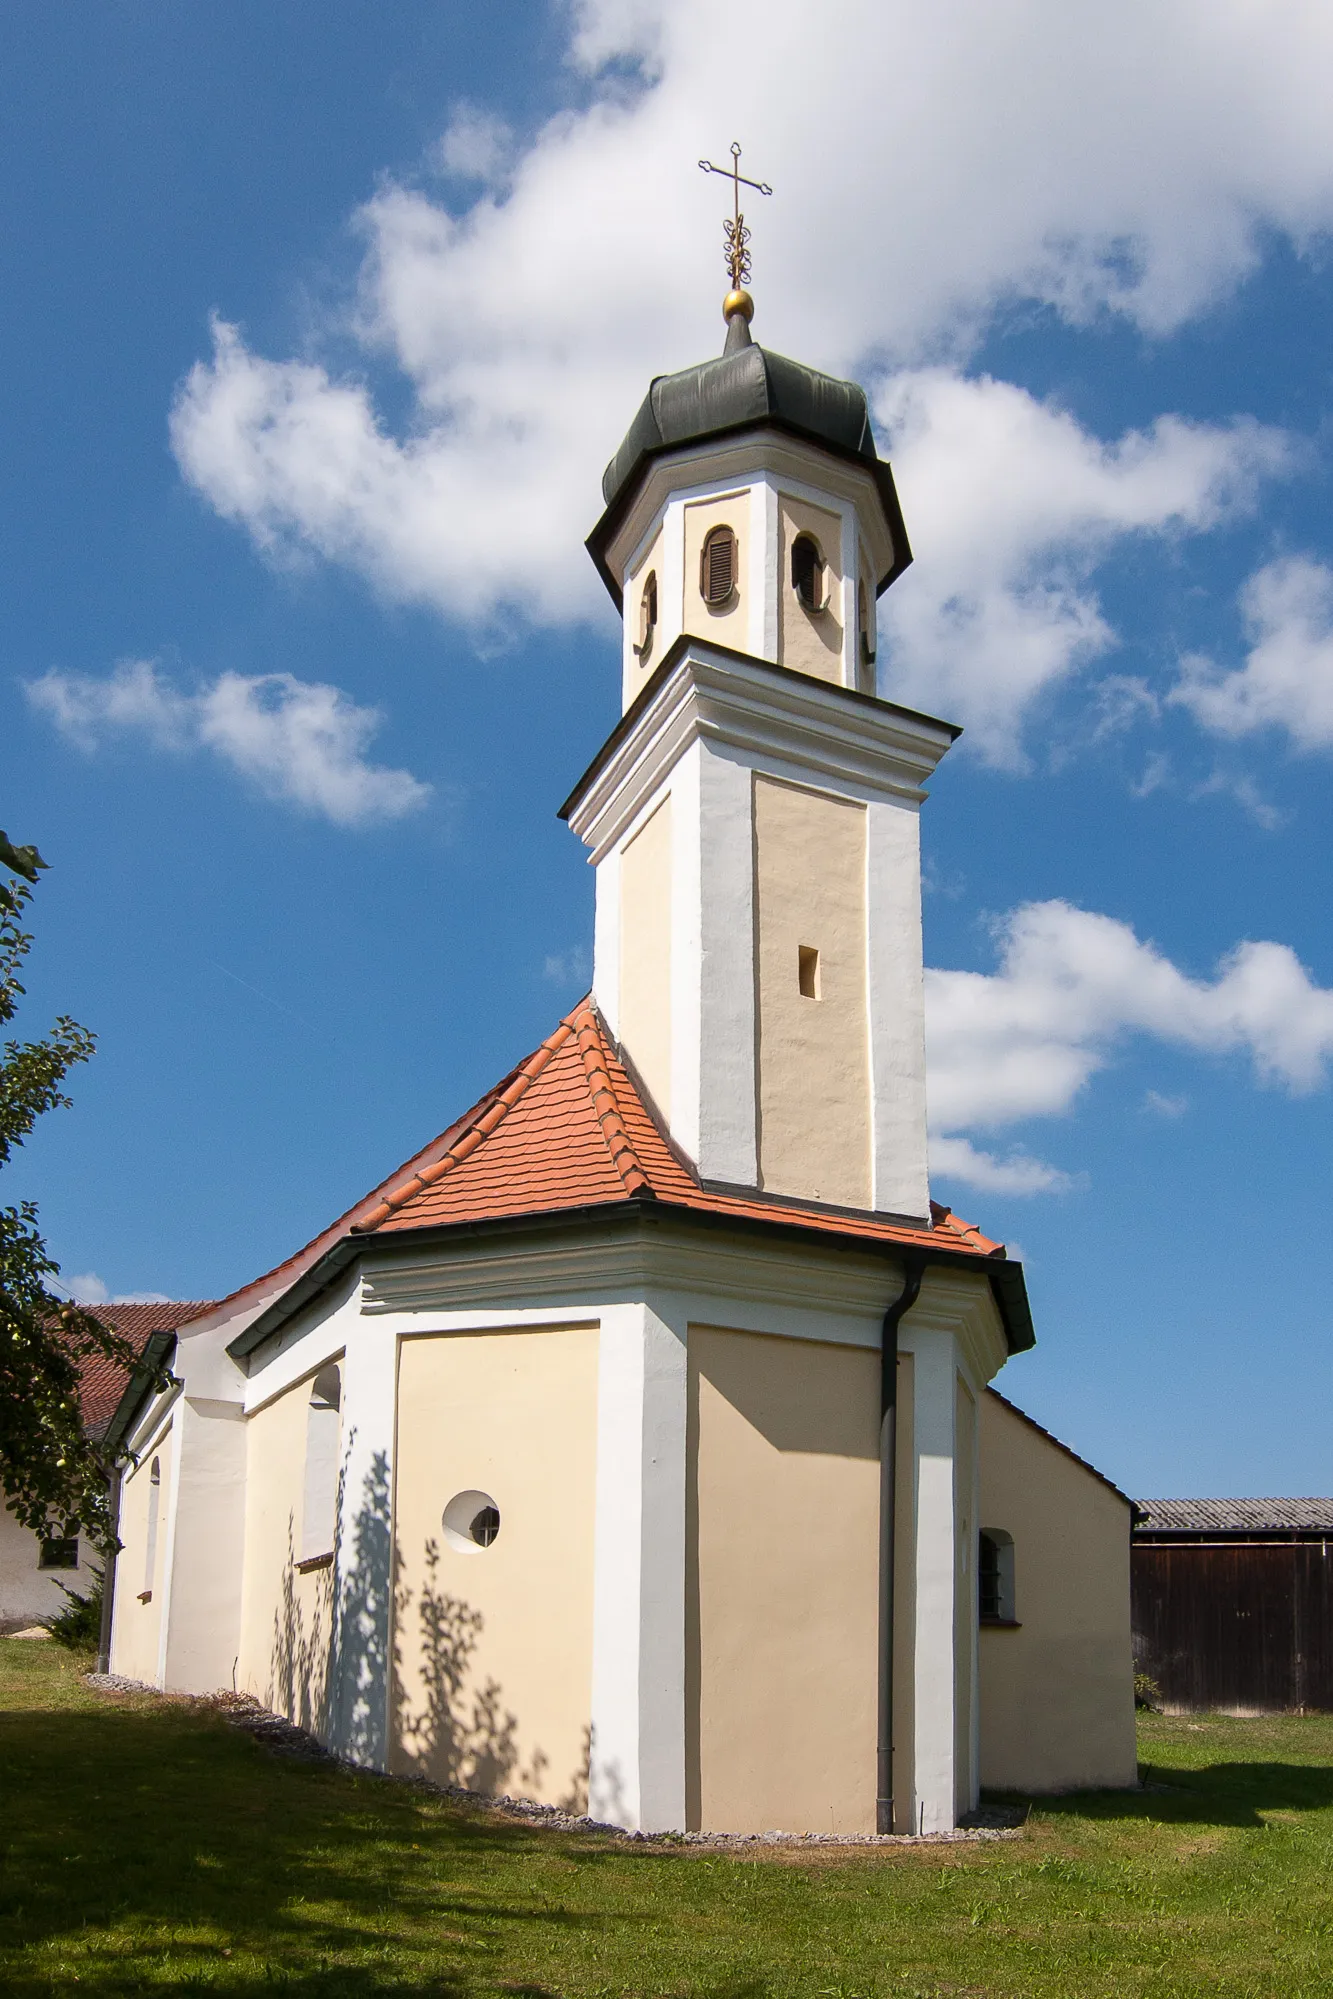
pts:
[1005, 1277]
[671, 660]
[879, 469]
[157, 1353]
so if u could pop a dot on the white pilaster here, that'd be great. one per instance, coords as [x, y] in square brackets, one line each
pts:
[849, 558]
[637, 1765]
[765, 560]
[900, 1181]
[687, 906]
[934, 1374]
[606, 941]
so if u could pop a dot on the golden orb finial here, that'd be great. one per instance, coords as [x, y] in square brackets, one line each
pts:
[738, 302]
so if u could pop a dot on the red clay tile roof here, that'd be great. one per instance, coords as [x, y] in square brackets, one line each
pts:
[102, 1381]
[568, 1129]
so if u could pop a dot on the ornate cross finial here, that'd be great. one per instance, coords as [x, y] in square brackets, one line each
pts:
[736, 236]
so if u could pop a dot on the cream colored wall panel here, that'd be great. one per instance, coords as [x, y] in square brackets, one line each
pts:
[727, 624]
[645, 954]
[814, 1049]
[810, 642]
[493, 1685]
[285, 1615]
[782, 1584]
[1057, 1693]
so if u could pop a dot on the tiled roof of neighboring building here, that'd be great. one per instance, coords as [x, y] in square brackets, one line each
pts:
[1236, 1516]
[102, 1381]
[569, 1129]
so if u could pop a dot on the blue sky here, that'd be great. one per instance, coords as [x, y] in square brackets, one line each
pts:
[1089, 290]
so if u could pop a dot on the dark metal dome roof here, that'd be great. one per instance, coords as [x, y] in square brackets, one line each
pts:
[748, 386]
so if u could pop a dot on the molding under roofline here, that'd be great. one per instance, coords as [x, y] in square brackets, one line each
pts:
[786, 722]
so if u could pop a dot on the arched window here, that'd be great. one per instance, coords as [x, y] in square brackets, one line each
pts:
[150, 1538]
[995, 1576]
[807, 572]
[717, 567]
[643, 645]
[319, 1513]
[863, 601]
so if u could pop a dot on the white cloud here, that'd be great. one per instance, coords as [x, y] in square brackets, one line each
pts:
[1163, 1106]
[1024, 1041]
[90, 1289]
[300, 742]
[1011, 505]
[476, 145]
[568, 968]
[1018, 1173]
[1287, 680]
[1125, 160]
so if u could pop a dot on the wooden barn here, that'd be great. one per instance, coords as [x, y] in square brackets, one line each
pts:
[1233, 1603]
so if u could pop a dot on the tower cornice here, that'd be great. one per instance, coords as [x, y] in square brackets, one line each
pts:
[811, 730]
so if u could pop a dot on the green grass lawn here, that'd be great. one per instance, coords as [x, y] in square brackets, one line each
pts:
[149, 1846]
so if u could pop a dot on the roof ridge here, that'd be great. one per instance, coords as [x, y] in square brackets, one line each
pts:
[606, 1105]
[491, 1112]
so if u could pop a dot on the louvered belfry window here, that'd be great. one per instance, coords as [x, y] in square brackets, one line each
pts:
[807, 572]
[717, 578]
[647, 615]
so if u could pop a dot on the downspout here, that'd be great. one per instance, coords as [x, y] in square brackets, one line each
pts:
[109, 1572]
[914, 1268]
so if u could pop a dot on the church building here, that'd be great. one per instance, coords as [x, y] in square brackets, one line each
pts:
[632, 1446]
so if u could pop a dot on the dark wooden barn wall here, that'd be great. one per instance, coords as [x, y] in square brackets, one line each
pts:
[1236, 1627]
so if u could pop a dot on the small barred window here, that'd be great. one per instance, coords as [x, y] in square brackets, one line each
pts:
[60, 1551]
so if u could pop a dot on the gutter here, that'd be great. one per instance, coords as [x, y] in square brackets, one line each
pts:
[1004, 1277]
[914, 1269]
[109, 1573]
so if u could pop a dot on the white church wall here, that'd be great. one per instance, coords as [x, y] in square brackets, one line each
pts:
[1057, 1688]
[900, 1174]
[143, 1564]
[645, 1009]
[28, 1591]
[202, 1634]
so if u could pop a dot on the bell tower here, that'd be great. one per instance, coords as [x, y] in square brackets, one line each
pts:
[754, 817]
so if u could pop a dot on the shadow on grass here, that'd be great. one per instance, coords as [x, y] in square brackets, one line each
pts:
[1215, 1794]
[159, 1846]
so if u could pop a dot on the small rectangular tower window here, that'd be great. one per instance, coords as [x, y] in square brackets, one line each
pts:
[59, 1551]
[807, 971]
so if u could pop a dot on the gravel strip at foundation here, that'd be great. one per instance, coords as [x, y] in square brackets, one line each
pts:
[285, 1738]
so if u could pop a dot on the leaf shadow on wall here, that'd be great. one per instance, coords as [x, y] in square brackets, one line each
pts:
[360, 1648]
[460, 1729]
[299, 1659]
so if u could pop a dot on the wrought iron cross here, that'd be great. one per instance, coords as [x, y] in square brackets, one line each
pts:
[734, 232]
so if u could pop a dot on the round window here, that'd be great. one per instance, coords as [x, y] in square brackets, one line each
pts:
[471, 1522]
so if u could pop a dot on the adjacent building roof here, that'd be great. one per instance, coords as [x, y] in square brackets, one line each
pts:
[102, 1381]
[1235, 1516]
